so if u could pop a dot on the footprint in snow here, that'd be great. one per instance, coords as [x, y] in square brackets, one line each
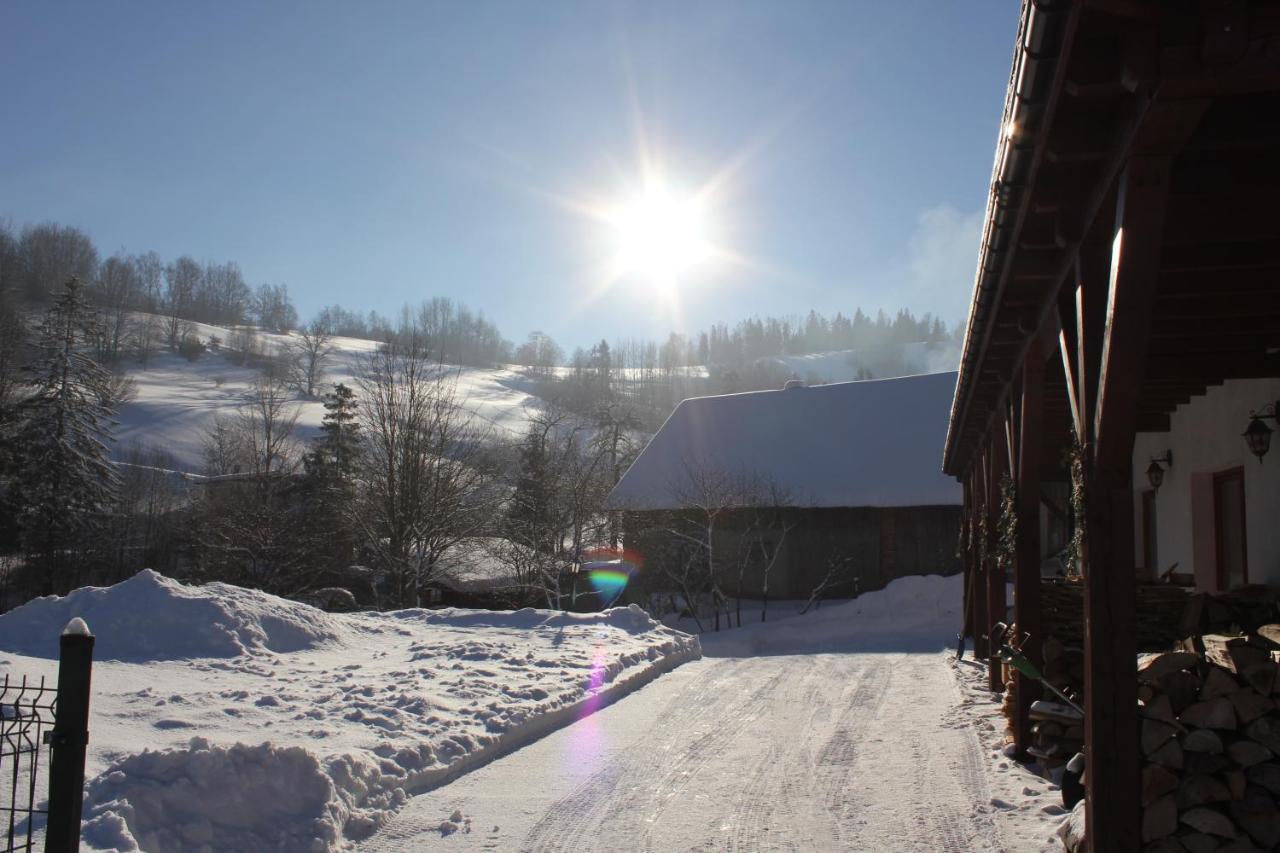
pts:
[173, 724]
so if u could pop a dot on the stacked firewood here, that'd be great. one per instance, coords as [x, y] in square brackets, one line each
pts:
[1210, 740]
[1057, 732]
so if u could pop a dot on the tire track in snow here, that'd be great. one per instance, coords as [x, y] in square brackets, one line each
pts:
[839, 756]
[929, 791]
[637, 785]
[782, 780]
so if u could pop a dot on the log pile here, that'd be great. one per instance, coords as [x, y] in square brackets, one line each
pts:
[1210, 740]
[1162, 620]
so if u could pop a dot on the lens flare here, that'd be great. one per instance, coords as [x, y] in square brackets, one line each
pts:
[609, 571]
[609, 584]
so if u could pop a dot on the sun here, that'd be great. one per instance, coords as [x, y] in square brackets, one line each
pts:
[660, 236]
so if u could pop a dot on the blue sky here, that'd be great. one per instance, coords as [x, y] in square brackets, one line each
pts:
[373, 153]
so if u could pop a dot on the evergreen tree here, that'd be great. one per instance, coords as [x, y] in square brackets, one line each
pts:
[336, 452]
[66, 483]
[530, 515]
[332, 468]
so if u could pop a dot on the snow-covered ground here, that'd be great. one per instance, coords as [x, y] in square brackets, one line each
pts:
[227, 719]
[177, 399]
[852, 728]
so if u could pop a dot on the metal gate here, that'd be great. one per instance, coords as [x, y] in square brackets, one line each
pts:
[43, 737]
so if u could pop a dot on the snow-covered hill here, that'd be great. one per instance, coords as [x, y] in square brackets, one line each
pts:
[229, 719]
[882, 363]
[177, 399]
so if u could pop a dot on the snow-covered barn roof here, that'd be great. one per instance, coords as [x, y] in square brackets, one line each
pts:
[873, 443]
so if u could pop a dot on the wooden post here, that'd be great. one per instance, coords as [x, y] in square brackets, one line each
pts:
[996, 603]
[70, 738]
[1112, 757]
[1026, 573]
[966, 628]
[980, 623]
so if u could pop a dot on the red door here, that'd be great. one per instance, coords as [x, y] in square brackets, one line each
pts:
[1229, 528]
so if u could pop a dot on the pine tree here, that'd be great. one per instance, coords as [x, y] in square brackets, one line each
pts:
[67, 485]
[337, 450]
[530, 514]
[332, 468]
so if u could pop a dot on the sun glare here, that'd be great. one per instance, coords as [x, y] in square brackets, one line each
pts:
[660, 236]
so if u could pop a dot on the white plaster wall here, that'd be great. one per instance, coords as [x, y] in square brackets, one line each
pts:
[1205, 438]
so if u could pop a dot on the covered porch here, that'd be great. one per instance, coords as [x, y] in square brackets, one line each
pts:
[1127, 304]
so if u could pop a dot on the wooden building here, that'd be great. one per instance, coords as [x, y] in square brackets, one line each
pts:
[1127, 300]
[833, 486]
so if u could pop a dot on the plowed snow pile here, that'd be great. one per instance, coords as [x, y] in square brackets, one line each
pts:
[228, 719]
[151, 617]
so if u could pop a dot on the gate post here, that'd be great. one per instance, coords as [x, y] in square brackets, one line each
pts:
[70, 737]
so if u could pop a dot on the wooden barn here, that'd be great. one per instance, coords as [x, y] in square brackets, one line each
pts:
[1124, 346]
[832, 488]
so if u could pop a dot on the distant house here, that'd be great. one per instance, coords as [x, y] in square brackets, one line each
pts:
[831, 487]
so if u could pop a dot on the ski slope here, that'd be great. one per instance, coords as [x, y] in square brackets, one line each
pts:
[849, 729]
[177, 400]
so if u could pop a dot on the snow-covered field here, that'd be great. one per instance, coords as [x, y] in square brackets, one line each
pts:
[177, 399]
[228, 719]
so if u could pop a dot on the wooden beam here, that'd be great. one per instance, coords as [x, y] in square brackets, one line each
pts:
[1091, 318]
[966, 514]
[1260, 323]
[1135, 257]
[1067, 345]
[981, 650]
[996, 604]
[1026, 573]
[1111, 719]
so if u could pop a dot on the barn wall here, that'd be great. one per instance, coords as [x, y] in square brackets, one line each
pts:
[854, 550]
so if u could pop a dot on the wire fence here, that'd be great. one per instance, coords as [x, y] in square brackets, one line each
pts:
[28, 711]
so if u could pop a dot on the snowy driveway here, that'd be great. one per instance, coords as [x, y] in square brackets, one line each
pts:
[852, 751]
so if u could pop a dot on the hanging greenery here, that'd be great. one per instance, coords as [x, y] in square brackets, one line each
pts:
[1007, 526]
[963, 542]
[984, 541]
[1073, 460]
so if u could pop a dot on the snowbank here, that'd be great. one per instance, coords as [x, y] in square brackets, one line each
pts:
[312, 727]
[918, 613]
[215, 798]
[151, 617]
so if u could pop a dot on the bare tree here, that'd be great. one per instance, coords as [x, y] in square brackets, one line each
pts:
[764, 538]
[50, 254]
[267, 422]
[250, 528]
[117, 289]
[309, 351]
[182, 279]
[426, 481]
[728, 525]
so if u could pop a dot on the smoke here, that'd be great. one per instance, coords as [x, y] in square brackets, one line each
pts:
[942, 256]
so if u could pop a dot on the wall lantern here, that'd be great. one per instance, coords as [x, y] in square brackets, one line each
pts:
[1258, 435]
[1155, 474]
